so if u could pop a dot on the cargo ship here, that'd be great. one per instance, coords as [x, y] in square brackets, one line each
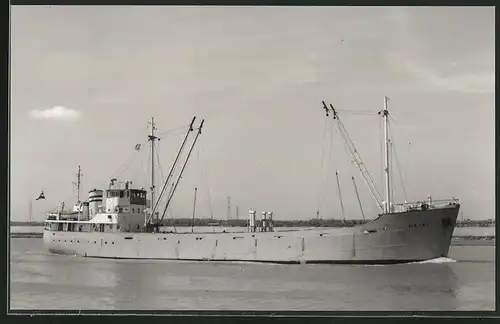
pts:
[120, 222]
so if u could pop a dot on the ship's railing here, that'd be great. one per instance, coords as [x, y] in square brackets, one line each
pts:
[424, 205]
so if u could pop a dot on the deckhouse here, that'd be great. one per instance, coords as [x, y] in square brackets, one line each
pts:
[123, 210]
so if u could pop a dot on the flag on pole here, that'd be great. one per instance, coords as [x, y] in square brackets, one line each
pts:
[41, 196]
[137, 147]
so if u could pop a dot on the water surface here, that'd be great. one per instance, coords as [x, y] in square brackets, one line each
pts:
[40, 280]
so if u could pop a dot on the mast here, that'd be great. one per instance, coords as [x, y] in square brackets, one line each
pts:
[348, 143]
[385, 116]
[194, 209]
[148, 220]
[152, 138]
[340, 195]
[228, 208]
[77, 184]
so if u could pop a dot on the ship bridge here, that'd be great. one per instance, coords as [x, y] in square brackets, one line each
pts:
[118, 199]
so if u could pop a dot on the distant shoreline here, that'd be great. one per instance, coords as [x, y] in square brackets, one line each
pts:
[277, 223]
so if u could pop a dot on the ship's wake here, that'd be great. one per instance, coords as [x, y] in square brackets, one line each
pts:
[440, 260]
[436, 260]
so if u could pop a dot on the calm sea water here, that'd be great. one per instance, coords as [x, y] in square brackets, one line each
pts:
[40, 280]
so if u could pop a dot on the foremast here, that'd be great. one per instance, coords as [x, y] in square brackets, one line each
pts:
[354, 152]
[384, 205]
[387, 173]
[153, 138]
[154, 204]
[78, 183]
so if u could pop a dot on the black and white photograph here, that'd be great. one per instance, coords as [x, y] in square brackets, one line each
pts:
[251, 158]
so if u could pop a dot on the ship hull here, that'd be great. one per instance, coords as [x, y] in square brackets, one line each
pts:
[392, 238]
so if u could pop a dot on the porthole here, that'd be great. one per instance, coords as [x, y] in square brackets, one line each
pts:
[105, 242]
[112, 242]
[95, 242]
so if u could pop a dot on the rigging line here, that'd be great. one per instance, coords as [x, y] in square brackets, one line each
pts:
[159, 163]
[174, 164]
[126, 164]
[173, 129]
[118, 171]
[360, 162]
[391, 169]
[169, 209]
[198, 164]
[357, 111]
[118, 174]
[184, 165]
[320, 195]
[397, 163]
[170, 135]
[131, 158]
[328, 167]
[173, 134]
[407, 161]
[160, 168]
[123, 166]
[207, 187]
[148, 165]
[381, 141]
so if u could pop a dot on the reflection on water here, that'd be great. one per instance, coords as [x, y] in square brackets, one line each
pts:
[40, 280]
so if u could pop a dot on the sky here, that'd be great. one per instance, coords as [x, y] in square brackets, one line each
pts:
[85, 82]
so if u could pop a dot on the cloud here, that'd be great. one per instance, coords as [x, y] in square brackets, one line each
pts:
[467, 82]
[56, 113]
